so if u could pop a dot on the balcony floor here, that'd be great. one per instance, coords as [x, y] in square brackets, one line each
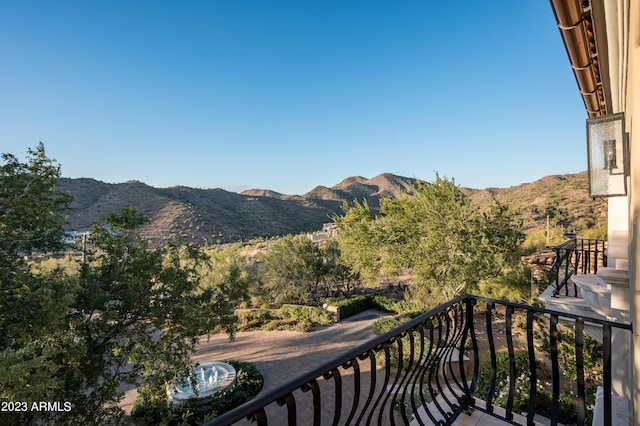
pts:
[478, 418]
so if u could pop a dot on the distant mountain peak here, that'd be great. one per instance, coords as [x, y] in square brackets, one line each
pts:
[351, 180]
[262, 193]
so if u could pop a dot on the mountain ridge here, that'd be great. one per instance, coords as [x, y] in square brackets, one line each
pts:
[213, 216]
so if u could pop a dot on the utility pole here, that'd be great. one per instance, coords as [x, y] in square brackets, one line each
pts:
[548, 231]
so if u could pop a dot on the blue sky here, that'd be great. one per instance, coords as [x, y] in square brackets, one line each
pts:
[287, 95]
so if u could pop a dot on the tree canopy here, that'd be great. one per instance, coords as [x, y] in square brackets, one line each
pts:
[296, 270]
[437, 235]
[132, 315]
[31, 210]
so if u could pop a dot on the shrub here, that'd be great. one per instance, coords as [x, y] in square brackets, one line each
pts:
[350, 307]
[502, 374]
[145, 413]
[288, 317]
[514, 286]
[592, 352]
[383, 325]
[568, 412]
[355, 305]
[406, 316]
[544, 400]
[537, 239]
[289, 325]
[391, 305]
[254, 319]
[316, 316]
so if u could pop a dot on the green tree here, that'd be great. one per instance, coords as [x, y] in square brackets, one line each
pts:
[33, 309]
[140, 313]
[296, 270]
[131, 315]
[339, 277]
[358, 240]
[292, 270]
[437, 234]
[229, 275]
[31, 210]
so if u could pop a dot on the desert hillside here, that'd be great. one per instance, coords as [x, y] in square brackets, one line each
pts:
[211, 216]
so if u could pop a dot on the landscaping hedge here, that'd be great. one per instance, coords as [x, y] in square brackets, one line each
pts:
[288, 317]
[355, 305]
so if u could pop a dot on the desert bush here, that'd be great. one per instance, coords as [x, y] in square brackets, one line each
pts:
[537, 239]
[384, 325]
[254, 319]
[46, 267]
[289, 325]
[514, 286]
[598, 232]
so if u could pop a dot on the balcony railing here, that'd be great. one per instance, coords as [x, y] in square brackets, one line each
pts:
[426, 371]
[575, 256]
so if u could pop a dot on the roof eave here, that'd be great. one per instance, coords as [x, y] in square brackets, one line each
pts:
[575, 20]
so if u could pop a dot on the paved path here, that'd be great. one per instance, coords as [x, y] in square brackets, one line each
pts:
[283, 355]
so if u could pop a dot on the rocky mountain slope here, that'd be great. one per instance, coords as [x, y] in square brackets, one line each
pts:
[211, 216]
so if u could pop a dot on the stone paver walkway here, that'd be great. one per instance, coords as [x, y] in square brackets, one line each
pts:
[283, 355]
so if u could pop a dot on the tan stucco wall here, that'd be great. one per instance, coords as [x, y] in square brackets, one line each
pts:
[632, 113]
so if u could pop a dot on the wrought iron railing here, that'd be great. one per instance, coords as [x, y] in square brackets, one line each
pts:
[575, 256]
[426, 371]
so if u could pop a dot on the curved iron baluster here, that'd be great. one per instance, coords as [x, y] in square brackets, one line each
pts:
[533, 379]
[579, 342]
[290, 401]
[492, 350]
[258, 416]
[404, 382]
[426, 372]
[436, 368]
[512, 364]
[446, 368]
[553, 343]
[356, 387]
[453, 336]
[373, 369]
[387, 374]
[456, 343]
[470, 304]
[417, 385]
[337, 380]
[315, 393]
[390, 405]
